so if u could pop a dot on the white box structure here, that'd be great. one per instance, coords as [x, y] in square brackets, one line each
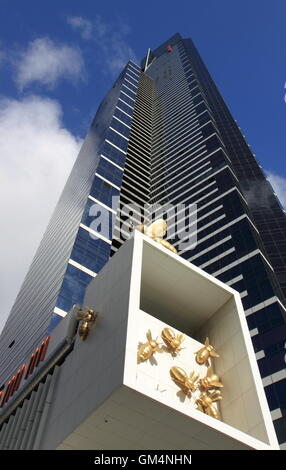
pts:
[105, 399]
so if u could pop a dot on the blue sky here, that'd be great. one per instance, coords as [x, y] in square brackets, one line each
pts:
[58, 59]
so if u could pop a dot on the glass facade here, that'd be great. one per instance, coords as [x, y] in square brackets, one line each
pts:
[163, 135]
[73, 250]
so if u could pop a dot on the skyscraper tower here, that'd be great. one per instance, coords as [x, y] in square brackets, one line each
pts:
[163, 137]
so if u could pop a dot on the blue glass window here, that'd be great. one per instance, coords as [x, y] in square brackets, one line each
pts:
[123, 117]
[131, 70]
[117, 140]
[115, 124]
[103, 192]
[113, 154]
[271, 397]
[127, 99]
[90, 251]
[125, 107]
[109, 171]
[130, 84]
[129, 90]
[131, 78]
[72, 290]
[280, 428]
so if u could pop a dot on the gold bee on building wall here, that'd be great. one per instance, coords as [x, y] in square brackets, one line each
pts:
[172, 341]
[205, 403]
[185, 382]
[202, 356]
[88, 319]
[147, 349]
[206, 390]
[210, 381]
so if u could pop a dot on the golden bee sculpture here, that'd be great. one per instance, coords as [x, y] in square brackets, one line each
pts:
[205, 403]
[157, 230]
[147, 349]
[210, 381]
[205, 391]
[87, 319]
[202, 356]
[172, 341]
[185, 382]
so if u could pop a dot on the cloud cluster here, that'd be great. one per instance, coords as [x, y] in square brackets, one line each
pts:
[37, 154]
[83, 25]
[278, 183]
[46, 62]
[113, 50]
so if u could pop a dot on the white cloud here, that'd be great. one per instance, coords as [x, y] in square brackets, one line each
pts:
[121, 53]
[37, 154]
[113, 50]
[47, 63]
[112, 41]
[279, 185]
[82, 24]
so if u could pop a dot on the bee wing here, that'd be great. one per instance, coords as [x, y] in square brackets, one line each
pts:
[168, 334]
[173, 374]
[218, 398]
[149, 335]
[195, 376]
[207, 342]
[181, 337]
[218, 384]
[199, 406]
[213, 353]
[210, 371]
